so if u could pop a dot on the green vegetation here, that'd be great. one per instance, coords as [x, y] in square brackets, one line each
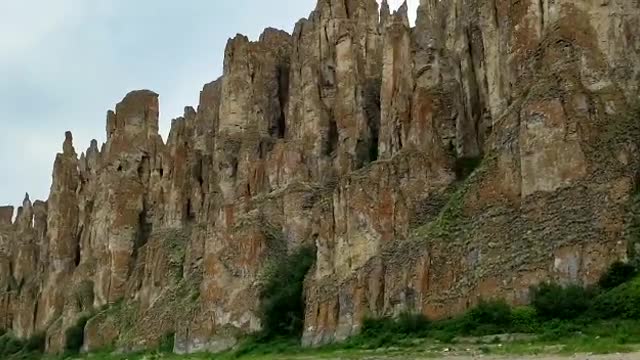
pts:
[174, 242]
[553, 301]
[465, 166]
[166, 343]
[560, 319]
[74, 336]
[618, 274]
[282, 305]
[621, 302]
[36, 343]
[490, 316]
[597, 319]
[12, 348]
[282, 299]
[405, 324]
[525, 319]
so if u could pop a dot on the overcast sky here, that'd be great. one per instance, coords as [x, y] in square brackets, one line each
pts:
[64, 63]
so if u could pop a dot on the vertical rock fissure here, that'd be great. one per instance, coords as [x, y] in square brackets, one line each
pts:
[145, 228]
[373, 112]
[77, 247]
[283, 96]
[34, 316]
[541, 8]
[475, 104]
[188, 211]
[331, 144]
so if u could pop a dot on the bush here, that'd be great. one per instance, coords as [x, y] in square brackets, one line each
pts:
[552, 301]
[624, 331]
[74, 336]
[457, 325]
[496, 312]
[445, 337]
[10, 345]
[258, 345]
[375, 340]
[622, 302]
[36, 343]
[617, 274]
[465, 166]
[556, 329]
[282, 299]
[486, 318]
[525, 320]
[166, 343]
[406, 324]
[412, 324]
[388, 331]
[373, 327]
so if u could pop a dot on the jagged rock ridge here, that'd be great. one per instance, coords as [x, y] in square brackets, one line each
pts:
[353, 134]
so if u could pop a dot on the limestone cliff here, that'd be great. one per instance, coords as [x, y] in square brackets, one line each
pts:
[358, 134]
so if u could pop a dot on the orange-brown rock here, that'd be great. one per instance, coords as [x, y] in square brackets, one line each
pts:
[356, 134]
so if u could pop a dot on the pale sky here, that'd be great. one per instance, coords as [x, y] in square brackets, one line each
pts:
[64, 63]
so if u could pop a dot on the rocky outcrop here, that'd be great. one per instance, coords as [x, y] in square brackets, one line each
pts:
[513, 87]
[488, 148]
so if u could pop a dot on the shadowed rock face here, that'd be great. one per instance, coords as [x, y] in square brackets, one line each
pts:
[352, 135]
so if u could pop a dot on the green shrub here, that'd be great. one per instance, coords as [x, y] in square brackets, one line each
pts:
[486, 318]
[282, 299]
[409, 323]
[525, 320]
[74, 336]
[445, 337]
[373, 327]
[376, 341]
[465, 166]
[166, 343]
[406, 324]
[10, 345]
[622, 302]
[259, 345]
[496, 312]
[556, 329]
[36, 343]
[617, 274]
[624, 331]
[553, 301]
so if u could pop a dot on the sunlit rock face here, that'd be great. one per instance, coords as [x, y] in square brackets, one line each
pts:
[489, 147]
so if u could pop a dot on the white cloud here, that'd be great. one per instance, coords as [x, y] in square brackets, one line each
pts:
[63, 63]
[31, 164]
[27, 25]
[23, 29]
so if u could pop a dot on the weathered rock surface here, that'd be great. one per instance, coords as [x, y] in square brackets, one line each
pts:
[357, 134]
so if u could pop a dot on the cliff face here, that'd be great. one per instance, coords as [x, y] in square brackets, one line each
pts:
[356, 134]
